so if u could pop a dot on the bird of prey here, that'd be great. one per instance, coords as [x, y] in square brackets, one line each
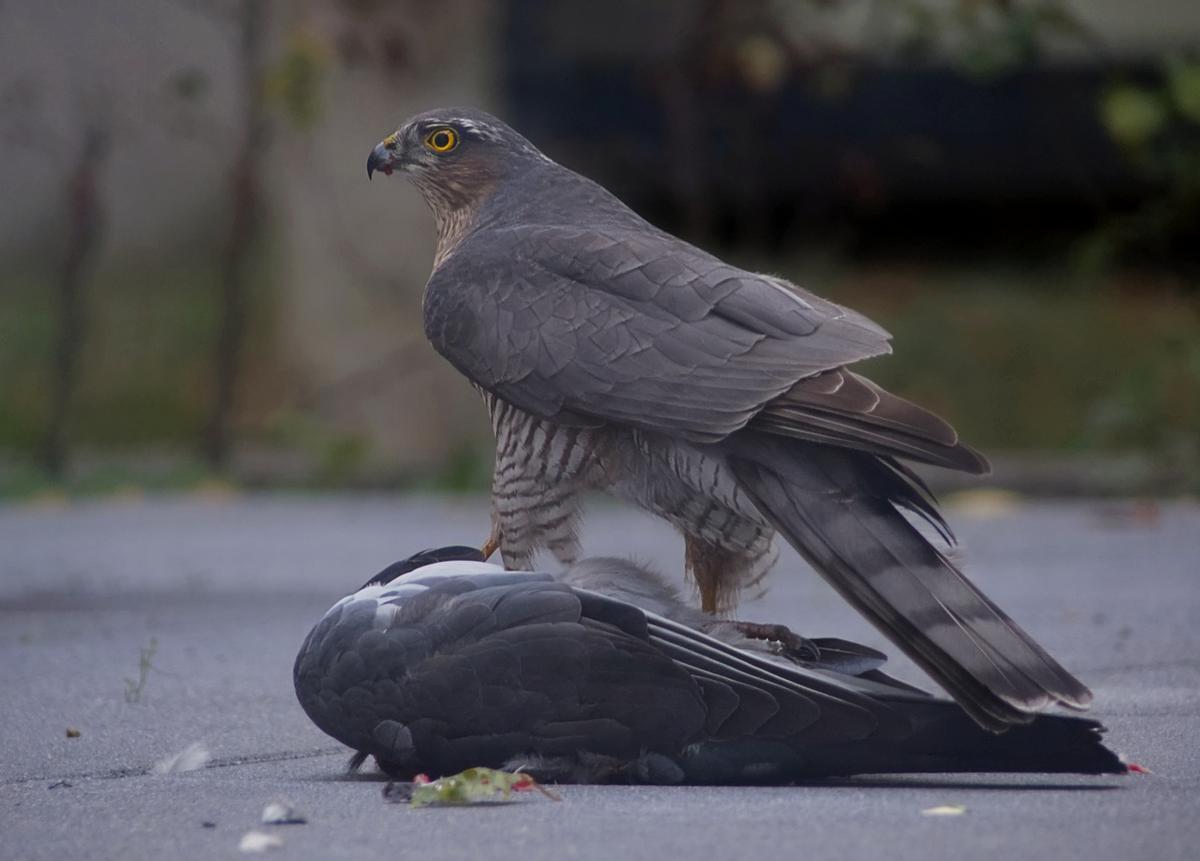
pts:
[616, 357]
[600, 674]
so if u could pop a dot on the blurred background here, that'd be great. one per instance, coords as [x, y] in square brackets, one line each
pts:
[200, 289]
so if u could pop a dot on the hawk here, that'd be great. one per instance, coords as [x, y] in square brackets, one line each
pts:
[600, 674]
[616, 357]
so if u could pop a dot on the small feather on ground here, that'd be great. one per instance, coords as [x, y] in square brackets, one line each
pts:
[192, 757]
[258, 841]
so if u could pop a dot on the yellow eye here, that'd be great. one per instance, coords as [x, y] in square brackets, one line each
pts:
[442, 140]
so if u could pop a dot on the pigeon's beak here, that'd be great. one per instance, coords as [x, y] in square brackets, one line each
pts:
[383, 158]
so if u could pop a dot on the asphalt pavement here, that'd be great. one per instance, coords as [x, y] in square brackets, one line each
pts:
[142, 626]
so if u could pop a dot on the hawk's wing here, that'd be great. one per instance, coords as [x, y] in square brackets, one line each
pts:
[631, 326]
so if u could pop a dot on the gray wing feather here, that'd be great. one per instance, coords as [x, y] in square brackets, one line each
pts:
[606, 323]
[838, 509]
[770, 698]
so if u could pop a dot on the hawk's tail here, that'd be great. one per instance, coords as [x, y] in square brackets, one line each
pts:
[840, 510]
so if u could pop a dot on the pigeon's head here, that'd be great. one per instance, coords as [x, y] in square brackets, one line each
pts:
[453, 154]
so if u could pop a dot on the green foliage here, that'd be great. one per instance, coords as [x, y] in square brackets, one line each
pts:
[295, 82]
[985, 39]
[189, 85]
[467, 469]
[337, 457]
[1138, 116]
[1039, 367]
[1133, 115]
[147, 354]
[1183, 83]
[1016, 359]
[996, 39]
[126, 478]
[27, 325]
[23, 480]
[1154, 401]
[1157, 126]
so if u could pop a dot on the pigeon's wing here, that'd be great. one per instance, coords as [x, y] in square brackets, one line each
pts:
[454, 673]
[631, 326]
[441, 673]
[751, 695]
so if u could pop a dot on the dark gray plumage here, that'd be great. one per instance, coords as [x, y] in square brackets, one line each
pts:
[616, 357]
[461, 664]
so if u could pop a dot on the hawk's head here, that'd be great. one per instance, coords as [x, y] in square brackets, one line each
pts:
[451, 150]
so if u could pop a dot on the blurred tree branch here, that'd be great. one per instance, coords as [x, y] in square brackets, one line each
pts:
[246, 217]
[83, 237]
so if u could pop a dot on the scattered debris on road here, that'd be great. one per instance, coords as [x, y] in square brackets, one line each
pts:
[945, 810]
[60, 784]
[192, 757]
[134, 688]
[984, 503]
[473, 786]
[258, 841]
[1131, 514]
[72, 732]
[282, 813]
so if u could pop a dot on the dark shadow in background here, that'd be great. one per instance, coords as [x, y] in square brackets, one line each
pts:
[895, 159]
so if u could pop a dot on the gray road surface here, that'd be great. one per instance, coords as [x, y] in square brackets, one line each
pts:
[228, 588]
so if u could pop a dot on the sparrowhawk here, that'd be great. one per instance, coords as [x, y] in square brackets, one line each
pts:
[614, 356]
[599, 673]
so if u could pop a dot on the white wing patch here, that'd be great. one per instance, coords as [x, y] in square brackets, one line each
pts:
[453, 568]
[389, 597]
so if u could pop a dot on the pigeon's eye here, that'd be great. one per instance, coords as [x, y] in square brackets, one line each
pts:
[442, 140]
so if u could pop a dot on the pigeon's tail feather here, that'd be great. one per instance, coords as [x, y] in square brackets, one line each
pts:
[946, 740]
[1050, 744]
[838, 508]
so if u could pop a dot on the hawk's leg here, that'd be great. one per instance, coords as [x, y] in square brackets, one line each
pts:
[714, 569]
[791, 645]
[728, 545]
[527, 518]
[539, 472]
[492, 544]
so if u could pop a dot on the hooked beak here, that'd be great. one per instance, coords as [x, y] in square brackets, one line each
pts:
[382, 159]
